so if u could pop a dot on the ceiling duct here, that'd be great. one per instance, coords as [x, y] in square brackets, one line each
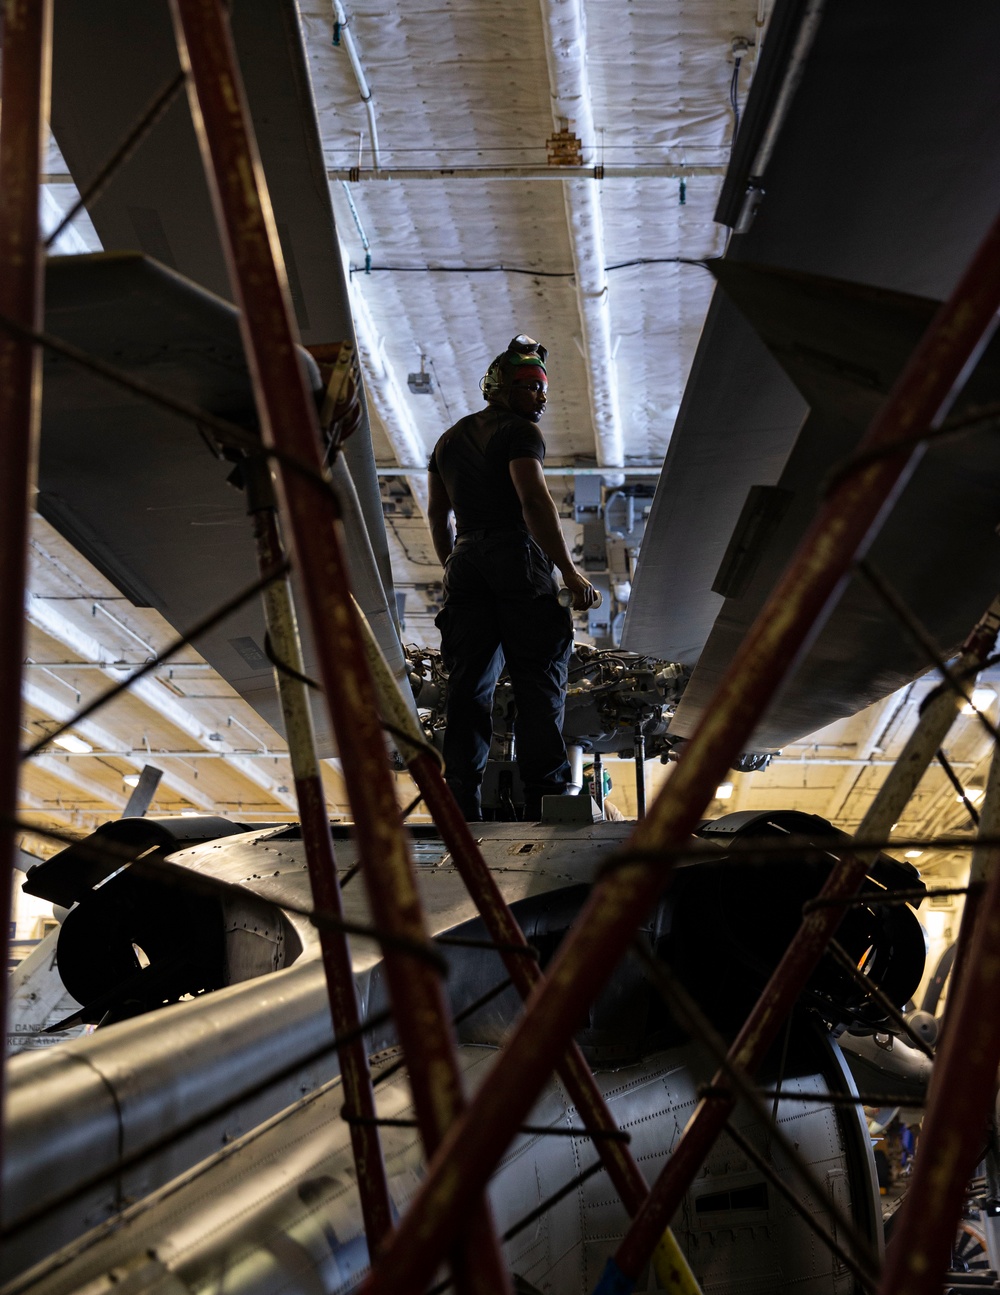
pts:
[565, 55]
[385, 393]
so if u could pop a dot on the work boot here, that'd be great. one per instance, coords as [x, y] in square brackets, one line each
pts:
[468, 800]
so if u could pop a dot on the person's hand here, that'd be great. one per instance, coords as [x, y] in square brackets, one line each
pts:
[584, 594]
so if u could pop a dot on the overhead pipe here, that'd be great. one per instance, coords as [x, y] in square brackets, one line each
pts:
[596, 171]
[27, 35]
[808, 27]
[347, 37]
[565, 56]
[290, 429]
[919, 400]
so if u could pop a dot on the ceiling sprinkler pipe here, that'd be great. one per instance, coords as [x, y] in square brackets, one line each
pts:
[347, 39]
[808, 28]
[760, 22]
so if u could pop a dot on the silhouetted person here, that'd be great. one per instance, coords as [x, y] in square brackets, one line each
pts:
[500, 586]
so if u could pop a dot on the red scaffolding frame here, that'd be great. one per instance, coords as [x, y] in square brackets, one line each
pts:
[919, 400]
[27, 53]
[290, 430]
[449, 1218]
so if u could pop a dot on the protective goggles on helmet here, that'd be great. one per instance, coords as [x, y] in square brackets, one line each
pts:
[521, 351]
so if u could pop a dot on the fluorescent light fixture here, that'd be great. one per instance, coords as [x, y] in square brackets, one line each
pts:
[131, 779]
[724, 791]
[982, 699]
[973, 793]
[190, 813]
[70, 742]
[913, 854]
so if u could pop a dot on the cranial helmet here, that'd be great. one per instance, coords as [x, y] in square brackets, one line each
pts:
[521, 352]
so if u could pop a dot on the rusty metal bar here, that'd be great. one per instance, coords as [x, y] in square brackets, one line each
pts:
[525, 974]
[639, 746]
[732, 1082]
[966, 1108]
[963, 1083]
[922, 639]
[289, 425]
[27, 36]
[985, 858]
[532, 1130]
[956, 782]
[803, 954]
[279, 610]
[499, 921]
[921, 396]
[845, 1099]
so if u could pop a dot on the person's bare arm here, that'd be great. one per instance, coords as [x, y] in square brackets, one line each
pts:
[439, 517]
[542, 519]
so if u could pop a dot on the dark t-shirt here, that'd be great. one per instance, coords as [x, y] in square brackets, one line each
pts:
[473, 460]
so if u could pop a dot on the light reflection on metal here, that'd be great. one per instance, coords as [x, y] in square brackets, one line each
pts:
[803, 954]
[289, 424]
[921, 397]
[27, 34]
[283, 634]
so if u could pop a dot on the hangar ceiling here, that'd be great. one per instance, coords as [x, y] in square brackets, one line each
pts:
[458, 231]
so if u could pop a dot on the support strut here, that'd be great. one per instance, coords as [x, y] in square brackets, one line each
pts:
[963, 1081]
[598, 782]
[919, 400]
[779, 996]
[27, 36]
[290, 431]
[639, 744]
[503, 928]
[282, 630]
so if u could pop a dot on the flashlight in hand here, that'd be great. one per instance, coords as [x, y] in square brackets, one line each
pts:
[565, 598]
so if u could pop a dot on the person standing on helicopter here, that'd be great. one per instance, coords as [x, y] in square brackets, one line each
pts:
[496, 531]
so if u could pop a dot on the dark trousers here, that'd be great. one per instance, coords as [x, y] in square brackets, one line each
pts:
[501, 607]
